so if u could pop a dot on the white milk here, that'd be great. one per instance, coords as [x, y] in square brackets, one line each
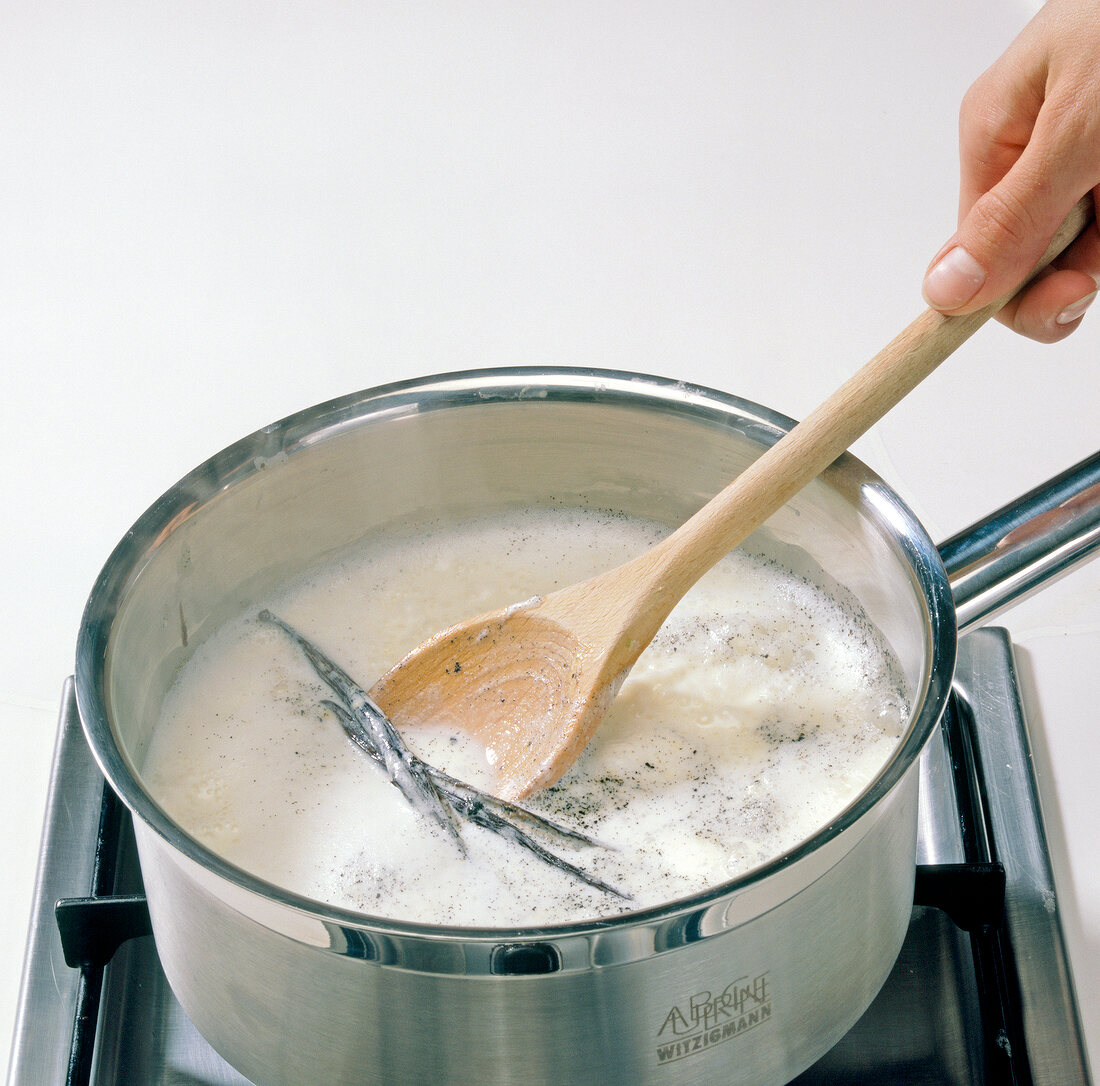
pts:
[761, 710]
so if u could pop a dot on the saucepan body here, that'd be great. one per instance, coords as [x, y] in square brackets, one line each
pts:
[749, 982]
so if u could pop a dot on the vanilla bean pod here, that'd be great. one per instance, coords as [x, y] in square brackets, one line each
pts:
[430, 790]
[405, 770]
[478, 808]
[461, 793]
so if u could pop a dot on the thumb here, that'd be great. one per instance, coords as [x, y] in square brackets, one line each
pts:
[997, 245]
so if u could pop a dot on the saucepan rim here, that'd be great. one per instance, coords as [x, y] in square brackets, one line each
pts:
[453, 390]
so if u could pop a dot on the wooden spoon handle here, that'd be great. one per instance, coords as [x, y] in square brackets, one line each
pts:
[812, 445]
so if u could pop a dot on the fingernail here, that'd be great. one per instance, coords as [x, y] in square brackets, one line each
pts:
[954, 280]
[1077, 310]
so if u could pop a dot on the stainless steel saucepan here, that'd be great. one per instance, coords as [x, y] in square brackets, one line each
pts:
[750, 982]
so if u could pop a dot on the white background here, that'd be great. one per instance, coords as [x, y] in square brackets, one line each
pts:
[213, 214]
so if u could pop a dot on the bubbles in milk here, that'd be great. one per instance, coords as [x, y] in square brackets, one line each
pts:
[761, 710]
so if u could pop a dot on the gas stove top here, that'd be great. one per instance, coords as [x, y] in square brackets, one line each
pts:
[981, 993]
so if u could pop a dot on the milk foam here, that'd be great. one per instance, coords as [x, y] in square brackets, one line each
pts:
[760, 711]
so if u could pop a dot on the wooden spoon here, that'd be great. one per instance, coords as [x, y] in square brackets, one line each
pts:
[533, 681]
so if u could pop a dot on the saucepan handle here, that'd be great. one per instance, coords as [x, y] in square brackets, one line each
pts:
[1025, 544]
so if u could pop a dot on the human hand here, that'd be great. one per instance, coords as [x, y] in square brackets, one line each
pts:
[1029, 144]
